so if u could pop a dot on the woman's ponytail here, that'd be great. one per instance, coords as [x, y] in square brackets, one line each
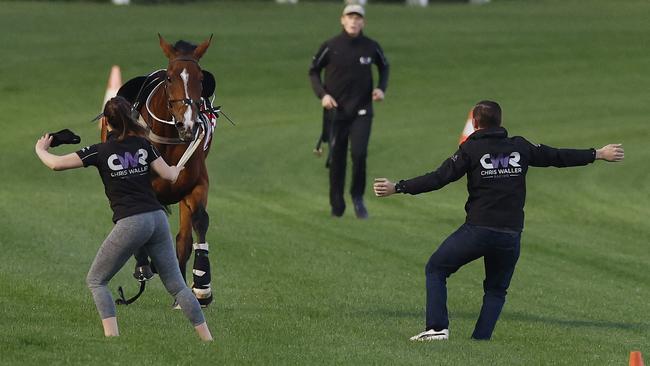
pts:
[118, 112]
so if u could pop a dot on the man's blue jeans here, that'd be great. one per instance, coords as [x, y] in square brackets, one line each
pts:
[500, 251]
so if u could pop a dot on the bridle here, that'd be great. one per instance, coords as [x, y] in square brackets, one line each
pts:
[207, 114]
[170, 102]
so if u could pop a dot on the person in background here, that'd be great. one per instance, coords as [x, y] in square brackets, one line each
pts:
[346, 95]
[125, 163]
[496, 167]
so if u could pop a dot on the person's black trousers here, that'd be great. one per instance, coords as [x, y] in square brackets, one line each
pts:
[500, 252]
[357, 132]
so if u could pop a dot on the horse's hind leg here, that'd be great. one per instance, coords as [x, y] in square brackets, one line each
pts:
[184, 237]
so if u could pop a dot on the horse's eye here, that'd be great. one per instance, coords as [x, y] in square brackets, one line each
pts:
[169, 79]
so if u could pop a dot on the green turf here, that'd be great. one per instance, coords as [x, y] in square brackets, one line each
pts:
[292, 285]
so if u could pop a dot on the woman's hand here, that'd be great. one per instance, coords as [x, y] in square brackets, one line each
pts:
[44, 142]
[176, 171]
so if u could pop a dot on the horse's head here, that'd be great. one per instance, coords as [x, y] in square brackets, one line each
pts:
[184, 83]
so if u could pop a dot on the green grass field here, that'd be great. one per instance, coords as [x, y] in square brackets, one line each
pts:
[294, 286]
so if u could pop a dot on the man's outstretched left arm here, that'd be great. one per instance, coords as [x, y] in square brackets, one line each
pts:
[543, 156]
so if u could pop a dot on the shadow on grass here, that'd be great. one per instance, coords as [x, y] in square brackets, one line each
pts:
[386, 313]
[573, 323]
[516, 316]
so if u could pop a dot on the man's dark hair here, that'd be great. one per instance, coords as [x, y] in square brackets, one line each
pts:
[487, 114]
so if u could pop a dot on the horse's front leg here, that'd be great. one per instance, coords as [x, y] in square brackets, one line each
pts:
[201, 275]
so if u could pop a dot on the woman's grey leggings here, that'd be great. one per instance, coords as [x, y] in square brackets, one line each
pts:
[151, 230]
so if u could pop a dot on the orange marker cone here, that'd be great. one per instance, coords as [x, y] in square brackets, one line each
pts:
[468, 130]
[636, 359]
[114, 83]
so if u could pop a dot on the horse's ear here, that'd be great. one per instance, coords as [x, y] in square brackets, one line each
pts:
[200, 49]
[167, 48]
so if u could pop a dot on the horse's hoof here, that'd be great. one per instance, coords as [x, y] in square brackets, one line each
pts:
[143, 273]
[205, 301]
[204, 295]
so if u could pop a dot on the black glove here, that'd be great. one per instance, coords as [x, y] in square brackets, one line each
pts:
[64, 137]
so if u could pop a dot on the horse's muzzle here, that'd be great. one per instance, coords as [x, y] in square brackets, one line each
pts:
[184, 133]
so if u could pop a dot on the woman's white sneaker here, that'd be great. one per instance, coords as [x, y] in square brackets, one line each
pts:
[431, 335]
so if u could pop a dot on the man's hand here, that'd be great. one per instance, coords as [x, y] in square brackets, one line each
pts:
[328, 102]
[611, 152]
[383, 187]
[377, 95]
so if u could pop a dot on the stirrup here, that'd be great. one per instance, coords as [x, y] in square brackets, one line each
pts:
[143, 273]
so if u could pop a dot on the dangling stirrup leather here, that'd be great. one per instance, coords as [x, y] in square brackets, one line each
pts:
[123, 301]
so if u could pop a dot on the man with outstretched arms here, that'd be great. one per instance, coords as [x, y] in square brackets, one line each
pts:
[496, 167]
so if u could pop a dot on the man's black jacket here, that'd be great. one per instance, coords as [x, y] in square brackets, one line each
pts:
[496, 167]
[348, 75]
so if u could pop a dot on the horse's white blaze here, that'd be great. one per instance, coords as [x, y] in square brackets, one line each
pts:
[187, 116]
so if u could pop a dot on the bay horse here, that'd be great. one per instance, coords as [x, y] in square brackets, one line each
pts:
[174, 107]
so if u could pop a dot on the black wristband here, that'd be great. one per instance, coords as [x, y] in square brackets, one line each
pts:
[400, 187]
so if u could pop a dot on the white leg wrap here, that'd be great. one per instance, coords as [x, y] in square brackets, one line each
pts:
[202, 293]
[203, 246]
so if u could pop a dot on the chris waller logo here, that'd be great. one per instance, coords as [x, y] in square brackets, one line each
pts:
[501, 165]
[128, 164]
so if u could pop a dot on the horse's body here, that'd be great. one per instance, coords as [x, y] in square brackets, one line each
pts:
[172, 112]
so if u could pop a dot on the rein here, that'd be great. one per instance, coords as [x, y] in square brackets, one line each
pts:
[146, 104]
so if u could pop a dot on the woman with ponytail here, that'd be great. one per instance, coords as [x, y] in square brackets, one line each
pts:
[124, 163]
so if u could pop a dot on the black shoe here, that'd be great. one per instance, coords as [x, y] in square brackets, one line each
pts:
[337, 213]
[359, 208]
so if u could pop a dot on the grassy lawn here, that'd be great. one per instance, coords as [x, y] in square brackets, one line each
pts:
[292, 285]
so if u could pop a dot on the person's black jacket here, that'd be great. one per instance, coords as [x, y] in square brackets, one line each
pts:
[496, 167]
[348, 76]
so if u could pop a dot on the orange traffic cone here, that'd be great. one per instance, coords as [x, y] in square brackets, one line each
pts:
[114, 83]
[468, 130]
[636, 359]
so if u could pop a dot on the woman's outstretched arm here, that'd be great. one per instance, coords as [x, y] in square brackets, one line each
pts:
[55, 162]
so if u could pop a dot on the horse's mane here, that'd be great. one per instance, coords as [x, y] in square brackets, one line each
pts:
[184, 47]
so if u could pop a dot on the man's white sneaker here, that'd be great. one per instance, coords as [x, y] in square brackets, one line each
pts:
[431, 335]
